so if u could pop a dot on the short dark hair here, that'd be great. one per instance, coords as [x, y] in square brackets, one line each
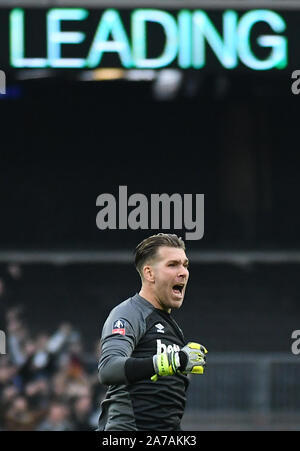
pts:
[147, 249]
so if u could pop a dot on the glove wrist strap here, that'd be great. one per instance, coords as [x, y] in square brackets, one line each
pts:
[183, 360]
[166, 364]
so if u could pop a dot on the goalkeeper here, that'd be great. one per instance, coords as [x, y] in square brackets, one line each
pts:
[145, 359]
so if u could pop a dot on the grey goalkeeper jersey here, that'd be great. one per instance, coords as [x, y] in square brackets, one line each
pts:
[136, 329]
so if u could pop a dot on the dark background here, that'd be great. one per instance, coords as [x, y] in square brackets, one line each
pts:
[63, 143]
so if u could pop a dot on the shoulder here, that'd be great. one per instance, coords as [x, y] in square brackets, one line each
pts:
[133, 312]
[134, 306]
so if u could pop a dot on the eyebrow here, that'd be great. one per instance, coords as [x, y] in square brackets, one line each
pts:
[186, 261]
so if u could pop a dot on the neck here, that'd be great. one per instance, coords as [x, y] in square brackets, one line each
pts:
[150, 297]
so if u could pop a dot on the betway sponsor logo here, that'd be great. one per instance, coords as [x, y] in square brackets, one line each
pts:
[161, 347]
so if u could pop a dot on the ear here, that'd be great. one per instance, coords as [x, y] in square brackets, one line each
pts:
[148, 273]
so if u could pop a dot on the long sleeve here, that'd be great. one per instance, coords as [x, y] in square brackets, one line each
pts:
[120, 335]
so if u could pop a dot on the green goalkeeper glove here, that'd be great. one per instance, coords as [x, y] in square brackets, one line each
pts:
[166, 363]
[190, 359]
[196, 358]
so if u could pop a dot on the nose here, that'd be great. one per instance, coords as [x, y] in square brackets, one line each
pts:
[184, 272]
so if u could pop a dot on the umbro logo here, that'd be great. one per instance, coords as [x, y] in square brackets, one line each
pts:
[160, 328]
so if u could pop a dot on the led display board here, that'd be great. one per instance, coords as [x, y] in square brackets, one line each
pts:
[144, 38]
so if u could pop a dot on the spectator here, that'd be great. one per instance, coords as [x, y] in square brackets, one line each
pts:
[81, 414]
[57, 418]
[45, 382]
[20, 418]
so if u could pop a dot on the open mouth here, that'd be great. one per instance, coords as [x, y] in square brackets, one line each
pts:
[178, 289]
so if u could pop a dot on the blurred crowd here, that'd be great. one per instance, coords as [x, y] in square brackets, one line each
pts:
[47, 381]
